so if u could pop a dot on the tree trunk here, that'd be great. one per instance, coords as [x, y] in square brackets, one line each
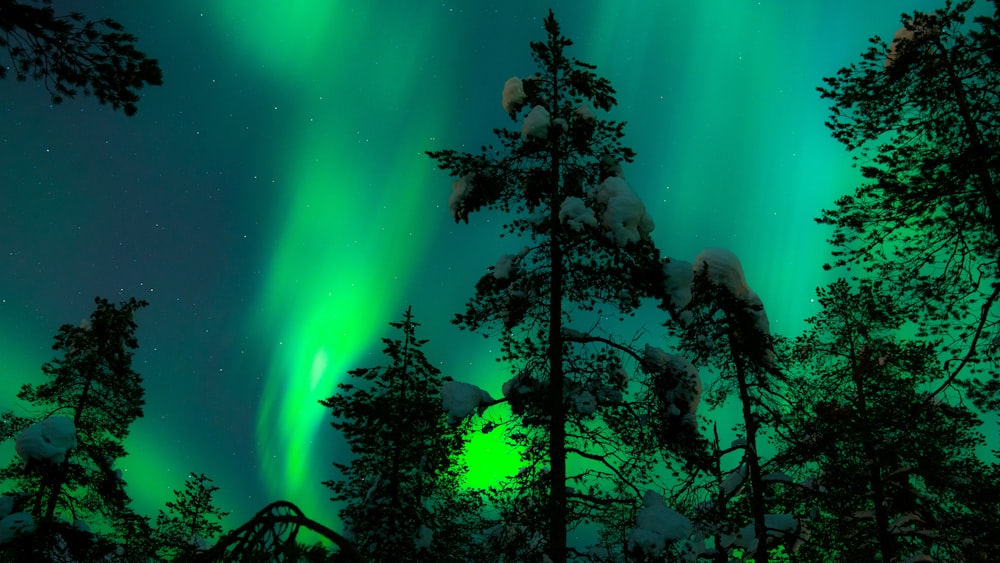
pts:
[59, 479]
[887, 546]
[557, 426]
[757, 510]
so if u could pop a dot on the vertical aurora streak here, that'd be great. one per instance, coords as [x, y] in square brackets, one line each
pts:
[354, 218]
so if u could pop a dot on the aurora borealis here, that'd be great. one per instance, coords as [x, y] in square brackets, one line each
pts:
[273, 202]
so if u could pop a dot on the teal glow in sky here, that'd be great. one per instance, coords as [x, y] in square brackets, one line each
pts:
[273, 203]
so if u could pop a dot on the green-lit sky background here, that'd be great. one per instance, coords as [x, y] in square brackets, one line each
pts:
[273, 202]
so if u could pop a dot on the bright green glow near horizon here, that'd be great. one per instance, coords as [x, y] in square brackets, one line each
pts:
[353, 227]
[324, 303]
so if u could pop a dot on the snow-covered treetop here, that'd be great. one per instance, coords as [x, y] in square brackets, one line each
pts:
[905, 36]
[724, 269]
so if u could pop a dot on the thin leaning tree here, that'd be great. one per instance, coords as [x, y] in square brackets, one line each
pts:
[586, 253]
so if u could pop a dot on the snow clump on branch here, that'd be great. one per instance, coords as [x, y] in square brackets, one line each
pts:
[585, 112]
[460, 189]
[657, 526]
[13, 525]
[536, 124]
[678, 275]
[676, 381]
[461, 399]
[624, 214]
[724, 270]
[575, 213]
[513, 94]
[47, 440]
[905, 39]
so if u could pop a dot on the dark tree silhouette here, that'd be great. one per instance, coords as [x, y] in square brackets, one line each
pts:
[272, 535]
[723, 327]
[191, 522]
[92, 384]
[888, 471]
[586, 253]
[402, 495]
[923, 116]
[72, 55]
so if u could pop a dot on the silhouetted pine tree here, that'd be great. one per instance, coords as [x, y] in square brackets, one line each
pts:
[92, 383]
[191, 521]
[582, 251]
[403, 494]
[922, 115]
[887, 470]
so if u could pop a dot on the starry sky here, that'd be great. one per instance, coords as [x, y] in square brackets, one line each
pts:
[273, 203]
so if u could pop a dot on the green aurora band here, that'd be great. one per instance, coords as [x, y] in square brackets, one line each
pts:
[327, 293]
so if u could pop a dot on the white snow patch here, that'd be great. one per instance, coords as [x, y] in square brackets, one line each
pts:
[657, 525]
[907, 36]
[423, 538]
[460, 189]
[688, 381]
[14, 525]
[679, 275]
[624, 215]
[574, 212]
[733, 481]
[585, 112]
[504, 266]
[513, 94]
[655, 357]
[461, 399]
[585, 402]
[537, 123]
[47, 440]
[724, 270]
[778, 476]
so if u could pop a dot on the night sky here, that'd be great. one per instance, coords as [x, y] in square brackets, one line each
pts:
[273, 202]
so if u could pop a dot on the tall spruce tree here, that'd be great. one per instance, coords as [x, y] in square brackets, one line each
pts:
[403, 494]
[922, 115]
[584, 251]
[887, 471]
[92, 389]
